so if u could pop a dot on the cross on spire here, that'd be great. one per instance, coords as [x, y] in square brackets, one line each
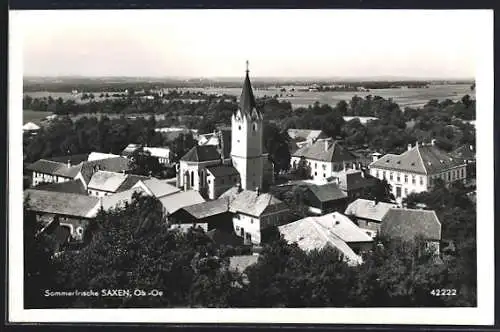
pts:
[247, 67]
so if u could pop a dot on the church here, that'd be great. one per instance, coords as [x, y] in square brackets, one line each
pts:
[238, 160]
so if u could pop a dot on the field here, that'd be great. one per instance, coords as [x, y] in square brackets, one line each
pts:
[409, 97]
[32, 116]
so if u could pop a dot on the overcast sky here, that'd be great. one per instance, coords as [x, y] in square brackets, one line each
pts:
[284, 43]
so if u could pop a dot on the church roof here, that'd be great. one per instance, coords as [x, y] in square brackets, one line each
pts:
[201, 153]
[248, 105]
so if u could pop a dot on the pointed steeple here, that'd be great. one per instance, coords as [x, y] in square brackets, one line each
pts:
[247, 99]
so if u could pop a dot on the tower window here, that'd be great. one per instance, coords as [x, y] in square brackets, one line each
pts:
[254, 127]
[239, 127]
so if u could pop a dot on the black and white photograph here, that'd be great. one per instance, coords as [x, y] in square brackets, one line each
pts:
[239, 166]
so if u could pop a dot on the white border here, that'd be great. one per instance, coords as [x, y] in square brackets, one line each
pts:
[483, 314]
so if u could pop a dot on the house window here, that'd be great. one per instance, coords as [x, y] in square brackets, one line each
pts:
[413, 181]
[449, 176]
[406, 191]
[406, 178]
[390, 176]
[398, 178]
[239, 127]
[376, 174]
[324, 175]
[251, 220]
[237, 216]
[324, 167]
[315, 173]
[209, 181]
[421, 180]
[462, 172]
[383, 175]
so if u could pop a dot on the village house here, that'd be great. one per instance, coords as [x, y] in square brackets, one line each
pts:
[334, 230]
[254, 213]
[47, 171]
[99, 156]
[208, 215]
[321, 199]
[354, 182]
[303, 137]
[104, 183]
[417, 169]
[73, 211]
[410, 224]
[31, 128]
[468, 155]
[172, 203]
[155, 187]
[161, 153]
[325, 158]
[368, 214]
[50, 171]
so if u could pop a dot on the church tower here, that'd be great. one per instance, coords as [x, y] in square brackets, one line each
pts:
[247, 139]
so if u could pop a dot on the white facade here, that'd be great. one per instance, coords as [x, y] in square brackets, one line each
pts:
[246, 149]
[47, 178]
[322, 170]
[404, 183]
[250, 227]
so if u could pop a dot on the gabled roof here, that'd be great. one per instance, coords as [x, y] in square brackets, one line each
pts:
[119, 199]
[367, 209]
[99, 155]
[62, 203]
[251, 203]
[426, 159]
[305, 134]
[30, 126]
[118, 164]
[54, 168]
[73, 159]
[130, 181]
[200, 153]
[221, 139]
[71, 187]
[354, 179]
[222, 170]
[325, 150]
[327, 192]
[158, 152]
[174, 202]
[208, 209]
[311, 233]
[106, 181]
[410, 223]
[160, 188]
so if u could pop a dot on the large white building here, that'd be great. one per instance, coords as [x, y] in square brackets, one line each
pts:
[325, 158]
[417, 169]
[237, 158]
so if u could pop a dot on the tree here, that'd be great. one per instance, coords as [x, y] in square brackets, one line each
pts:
[142, 163]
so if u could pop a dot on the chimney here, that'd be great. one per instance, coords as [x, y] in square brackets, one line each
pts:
[123, 172]
[409, 147]
[69, 163]
[258, 191]
[471, 147]
[326, 145]
[433, 141]
[345, 168]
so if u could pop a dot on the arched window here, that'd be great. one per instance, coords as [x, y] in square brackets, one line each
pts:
[254, 126]
[192, 179]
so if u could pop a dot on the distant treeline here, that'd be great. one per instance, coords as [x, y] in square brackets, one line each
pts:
[117, 85]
